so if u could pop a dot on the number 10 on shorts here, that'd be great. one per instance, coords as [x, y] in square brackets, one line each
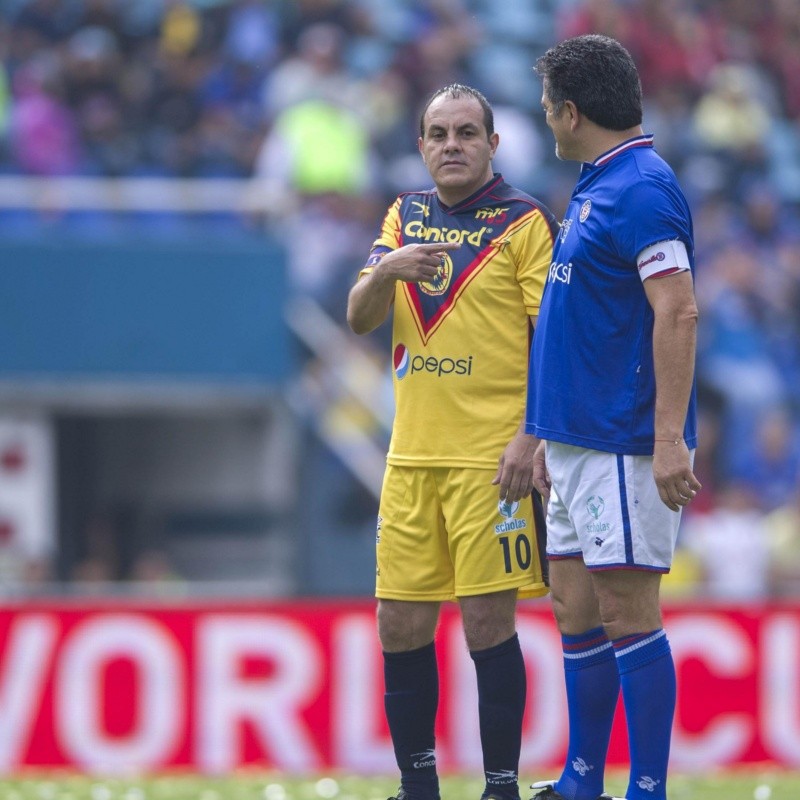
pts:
[519, 551]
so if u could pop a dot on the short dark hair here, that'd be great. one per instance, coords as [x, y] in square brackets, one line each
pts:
[456, 90]
[597, 74]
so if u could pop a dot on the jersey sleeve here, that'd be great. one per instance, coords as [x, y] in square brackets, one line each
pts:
[649, 211]
[390, 238]
[532, 247]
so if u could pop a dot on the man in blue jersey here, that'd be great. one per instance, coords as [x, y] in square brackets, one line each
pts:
[461, 268]
[612, 396]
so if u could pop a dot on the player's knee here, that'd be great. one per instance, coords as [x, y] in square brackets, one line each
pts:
[482, 637]
[573, 618]
[623, 617]
[488, 620]
[405, 626]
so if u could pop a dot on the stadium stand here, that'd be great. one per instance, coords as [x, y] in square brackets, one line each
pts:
[295, 123]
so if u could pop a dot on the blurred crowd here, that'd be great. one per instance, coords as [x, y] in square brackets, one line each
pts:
[316, 103]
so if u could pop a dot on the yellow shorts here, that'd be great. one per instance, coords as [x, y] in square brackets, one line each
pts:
[443, 533]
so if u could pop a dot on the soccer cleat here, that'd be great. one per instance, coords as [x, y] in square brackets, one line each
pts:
[546, 790]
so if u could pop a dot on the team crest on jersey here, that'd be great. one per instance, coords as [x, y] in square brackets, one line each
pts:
[439, 283]
[585, 210]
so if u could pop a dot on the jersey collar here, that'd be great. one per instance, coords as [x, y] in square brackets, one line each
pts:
[646, 140]
[476, 197]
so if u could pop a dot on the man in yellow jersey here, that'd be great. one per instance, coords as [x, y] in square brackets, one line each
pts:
[463, 265]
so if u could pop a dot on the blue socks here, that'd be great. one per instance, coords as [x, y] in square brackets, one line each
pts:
[502, 686]
[411, 700]
[592, 680]
[595, 669]
[647, 677]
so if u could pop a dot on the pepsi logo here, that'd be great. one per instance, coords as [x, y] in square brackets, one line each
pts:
[401, 361]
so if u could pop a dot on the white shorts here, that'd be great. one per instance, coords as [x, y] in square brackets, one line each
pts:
[605, 509]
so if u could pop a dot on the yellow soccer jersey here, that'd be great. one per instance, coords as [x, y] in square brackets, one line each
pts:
[461, 342]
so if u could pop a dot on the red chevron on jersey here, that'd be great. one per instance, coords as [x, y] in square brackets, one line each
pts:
[432, 302]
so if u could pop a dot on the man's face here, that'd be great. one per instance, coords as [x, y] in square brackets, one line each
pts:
[456, 148]
[558, 122]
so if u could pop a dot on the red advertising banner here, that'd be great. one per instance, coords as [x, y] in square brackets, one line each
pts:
[115, 687]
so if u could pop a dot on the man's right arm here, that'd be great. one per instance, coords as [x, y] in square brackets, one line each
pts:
[371, 298]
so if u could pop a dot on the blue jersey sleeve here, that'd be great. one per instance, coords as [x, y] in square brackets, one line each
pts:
[650, 211]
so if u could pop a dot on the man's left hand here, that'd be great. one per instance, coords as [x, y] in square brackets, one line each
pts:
[673, 475]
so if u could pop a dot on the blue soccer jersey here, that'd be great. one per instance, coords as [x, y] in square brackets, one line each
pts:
[592, 381]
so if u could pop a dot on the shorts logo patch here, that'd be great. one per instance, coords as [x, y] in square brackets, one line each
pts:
[508, 508]
[595, 505]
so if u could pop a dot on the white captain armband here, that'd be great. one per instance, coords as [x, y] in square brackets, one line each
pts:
[663, 258]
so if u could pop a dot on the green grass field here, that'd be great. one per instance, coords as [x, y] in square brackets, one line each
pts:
[750, 785]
